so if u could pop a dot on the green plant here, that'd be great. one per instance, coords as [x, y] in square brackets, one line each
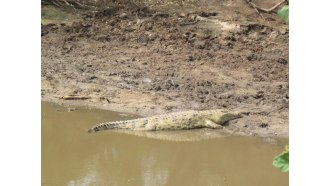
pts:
[281, 161]
[284, 13]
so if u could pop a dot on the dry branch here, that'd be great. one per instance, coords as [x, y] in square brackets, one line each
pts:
[75, 97]
[264, 10]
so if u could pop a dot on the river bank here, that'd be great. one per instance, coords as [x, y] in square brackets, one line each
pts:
[156, 59]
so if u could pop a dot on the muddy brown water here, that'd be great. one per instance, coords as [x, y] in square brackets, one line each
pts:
[71, 156]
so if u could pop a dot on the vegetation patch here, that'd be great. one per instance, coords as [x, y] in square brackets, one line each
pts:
[52, 14]
[282, 160]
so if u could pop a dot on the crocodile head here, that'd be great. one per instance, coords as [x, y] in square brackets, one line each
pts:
[222, 118]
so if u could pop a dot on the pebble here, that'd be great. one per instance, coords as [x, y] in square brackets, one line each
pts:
[71, 109]
[147, 80]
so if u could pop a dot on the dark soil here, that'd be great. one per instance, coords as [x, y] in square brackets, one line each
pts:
[157, 58]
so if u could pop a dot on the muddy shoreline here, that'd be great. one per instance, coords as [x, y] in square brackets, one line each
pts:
[146, 61]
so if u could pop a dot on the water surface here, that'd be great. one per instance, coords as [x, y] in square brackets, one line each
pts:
[71, 156]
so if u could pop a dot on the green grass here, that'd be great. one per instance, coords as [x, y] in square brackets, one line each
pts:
[51, 14]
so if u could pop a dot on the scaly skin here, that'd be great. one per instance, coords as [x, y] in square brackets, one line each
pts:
[174, 121]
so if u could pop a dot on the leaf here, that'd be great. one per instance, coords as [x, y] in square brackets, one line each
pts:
[284, 13]
[282, 161]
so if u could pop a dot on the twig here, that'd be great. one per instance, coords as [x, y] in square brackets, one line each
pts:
[58, 4]
[264, 10]
[255, 8]
[272, 8]
[75, 97]
[189, 23]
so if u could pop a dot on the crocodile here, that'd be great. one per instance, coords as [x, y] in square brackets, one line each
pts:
[184, 120]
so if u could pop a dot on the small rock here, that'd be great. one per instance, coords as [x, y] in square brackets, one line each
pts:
[274, 34]
[260, 94]
[264, 30]
[147, 80]
[252, 57]
[263, 125]
[282, 61]
[158, 88]
[190, 58]
[71, 109]
[200, 44]
[284, 31]
[123, 16]
[182, 15]
[112, 74]
[93, 77]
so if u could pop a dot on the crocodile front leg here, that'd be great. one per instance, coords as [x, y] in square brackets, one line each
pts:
[212, 125]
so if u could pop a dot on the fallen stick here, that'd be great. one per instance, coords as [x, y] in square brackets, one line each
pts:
[75, 97]
[255, 8]
[272, 8]
[264, 10]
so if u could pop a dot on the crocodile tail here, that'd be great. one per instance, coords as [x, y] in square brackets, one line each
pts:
[105, 126]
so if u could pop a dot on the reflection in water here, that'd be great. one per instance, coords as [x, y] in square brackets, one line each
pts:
[71, 156]
[151, 173]
[88, 179]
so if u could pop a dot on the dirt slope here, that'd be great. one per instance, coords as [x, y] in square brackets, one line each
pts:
[163, 58]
